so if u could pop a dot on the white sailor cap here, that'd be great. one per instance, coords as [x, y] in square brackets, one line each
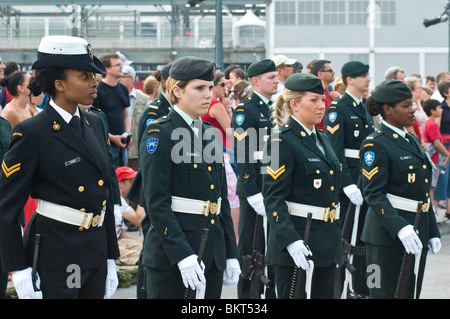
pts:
[67, 52]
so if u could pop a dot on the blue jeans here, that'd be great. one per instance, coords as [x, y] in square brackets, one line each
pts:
[442, 191]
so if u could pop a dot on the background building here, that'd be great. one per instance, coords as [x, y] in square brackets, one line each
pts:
[383, 33]
[152, 33]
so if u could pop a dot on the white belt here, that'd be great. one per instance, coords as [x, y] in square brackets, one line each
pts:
[319, 213]
[195, 206]
[407, 204]
[351, 153]
[70, 215]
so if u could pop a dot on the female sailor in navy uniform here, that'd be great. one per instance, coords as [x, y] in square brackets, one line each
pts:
[302, 176]
[396, 177]
[185, 191]
[66, 166]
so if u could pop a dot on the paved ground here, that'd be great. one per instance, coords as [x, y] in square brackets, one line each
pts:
[436, 281]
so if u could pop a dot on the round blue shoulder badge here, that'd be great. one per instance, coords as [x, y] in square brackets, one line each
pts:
[152, 144]
[240, 119]
[332, 117]
[369, 158]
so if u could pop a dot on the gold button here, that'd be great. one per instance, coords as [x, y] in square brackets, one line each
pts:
[212, 221]
[81, 228]
[331, 172]
[426, 180]
[332, 188]
[100, 183]
[212, 186]
[424, 166]
[411, 167]
[81, 189]
[209, 168]
[104, 203]
[82, 209]
[333, 204]
[367, 126]
[426, 194]
[318, 172]
[195, 165]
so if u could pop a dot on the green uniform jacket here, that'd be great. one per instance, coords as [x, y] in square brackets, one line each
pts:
[252, 126]
[347, 124]
[390, 164]
[158, 108]
[198, 174]
[304, 175]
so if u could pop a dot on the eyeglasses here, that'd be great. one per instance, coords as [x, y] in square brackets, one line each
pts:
[330, 70]
[221, 84]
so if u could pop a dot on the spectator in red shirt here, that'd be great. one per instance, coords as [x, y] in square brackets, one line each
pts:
[433, 142]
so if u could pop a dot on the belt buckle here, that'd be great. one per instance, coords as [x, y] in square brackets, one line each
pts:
[326, 214]
[213, 208]
[206, 208]
[423, 207]
[95, 221]
[86, 223]
[332, 215]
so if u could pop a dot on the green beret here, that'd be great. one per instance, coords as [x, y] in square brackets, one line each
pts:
[354, 69]
[391, 91]
[301, 82]
[191, 67]
[260, 67]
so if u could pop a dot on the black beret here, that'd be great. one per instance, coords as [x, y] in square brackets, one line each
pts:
[67, 52]
[191, 67]
[354, 69]
[165, 70]
[301, 82]
[260, 67]
[391, 91]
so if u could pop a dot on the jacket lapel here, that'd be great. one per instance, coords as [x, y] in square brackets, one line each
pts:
[66, 134]
[401, 142]
[179, 122]
[306, 139]
[357, 109]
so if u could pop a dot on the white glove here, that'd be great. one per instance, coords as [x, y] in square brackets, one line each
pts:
[354, 194]
[111, 278]
[257, 202]
[434, 244]
[191, 272]
[298, 252]
[23, 284]
[232, 271]
[410, 240]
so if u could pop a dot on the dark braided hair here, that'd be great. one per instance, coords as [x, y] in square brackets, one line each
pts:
[44, 79]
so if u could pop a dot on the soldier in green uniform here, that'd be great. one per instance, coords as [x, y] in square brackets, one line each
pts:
[158, 108]
[185, 191]
[396, 184]
[251, 123]
[302, 176]
[347, 124]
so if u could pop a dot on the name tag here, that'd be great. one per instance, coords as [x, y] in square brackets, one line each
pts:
[73, 161]
[193, 154]
[402, 158]
[258, 155]
[314, 159]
